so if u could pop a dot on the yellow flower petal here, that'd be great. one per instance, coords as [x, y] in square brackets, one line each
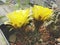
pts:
[41, 13]
[19, 17]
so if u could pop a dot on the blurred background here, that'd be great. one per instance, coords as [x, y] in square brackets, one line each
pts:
[7, 6]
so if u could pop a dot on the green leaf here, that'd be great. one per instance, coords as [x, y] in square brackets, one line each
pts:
[2, 17]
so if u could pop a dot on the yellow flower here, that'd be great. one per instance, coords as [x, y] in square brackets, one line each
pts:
[19, 17]
[41, 13]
